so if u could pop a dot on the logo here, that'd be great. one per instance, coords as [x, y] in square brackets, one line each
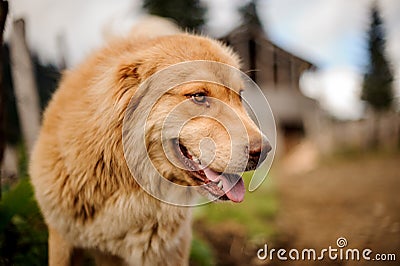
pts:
[340, 252]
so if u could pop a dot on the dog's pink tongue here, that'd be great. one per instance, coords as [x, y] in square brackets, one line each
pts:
[233, 184]
[236, 185]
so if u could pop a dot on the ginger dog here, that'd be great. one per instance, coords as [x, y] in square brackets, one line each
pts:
[86, 191]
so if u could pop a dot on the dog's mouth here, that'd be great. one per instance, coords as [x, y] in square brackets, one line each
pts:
[223, 186]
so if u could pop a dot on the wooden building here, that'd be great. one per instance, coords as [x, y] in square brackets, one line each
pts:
[277, 72]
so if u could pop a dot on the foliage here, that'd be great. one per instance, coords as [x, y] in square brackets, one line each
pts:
[377, 87]
[23, 234]
[200, 253]
[189, 14]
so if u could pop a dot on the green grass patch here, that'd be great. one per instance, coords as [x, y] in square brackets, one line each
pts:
[200, 253]
[256, 213]
[23, 233]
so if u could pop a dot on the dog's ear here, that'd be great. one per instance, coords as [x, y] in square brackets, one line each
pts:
[128, 79]
[129, 73]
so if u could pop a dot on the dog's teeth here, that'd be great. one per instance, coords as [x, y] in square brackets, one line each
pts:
[220, 184]
[195, 159]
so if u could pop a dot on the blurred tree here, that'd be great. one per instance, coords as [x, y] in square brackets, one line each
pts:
[377, 86]
[189, 14]
[378, 80]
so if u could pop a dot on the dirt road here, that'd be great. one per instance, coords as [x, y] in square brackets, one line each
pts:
[355, 196]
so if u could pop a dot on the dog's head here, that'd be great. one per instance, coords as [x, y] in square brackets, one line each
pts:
[198, 133]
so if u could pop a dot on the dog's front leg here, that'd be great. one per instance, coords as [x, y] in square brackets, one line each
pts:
[60, 251]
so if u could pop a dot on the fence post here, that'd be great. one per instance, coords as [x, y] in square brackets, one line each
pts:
[24, 85]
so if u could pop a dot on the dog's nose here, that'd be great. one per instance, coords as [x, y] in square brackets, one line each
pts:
[257, 154]
[261, 152]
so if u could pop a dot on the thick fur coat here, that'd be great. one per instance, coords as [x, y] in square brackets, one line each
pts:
[82, 183]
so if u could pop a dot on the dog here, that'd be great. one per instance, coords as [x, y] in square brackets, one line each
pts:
[92, 174]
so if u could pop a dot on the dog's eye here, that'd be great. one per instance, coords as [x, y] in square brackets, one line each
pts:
[199, 98]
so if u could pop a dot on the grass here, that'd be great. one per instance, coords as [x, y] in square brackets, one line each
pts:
[201, 253]
[255, 213]
[254, 217]
[23, 234]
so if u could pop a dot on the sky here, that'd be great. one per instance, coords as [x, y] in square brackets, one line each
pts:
[333, 35]
[330, 33]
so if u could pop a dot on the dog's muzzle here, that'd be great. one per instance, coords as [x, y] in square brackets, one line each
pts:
[258, 155]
